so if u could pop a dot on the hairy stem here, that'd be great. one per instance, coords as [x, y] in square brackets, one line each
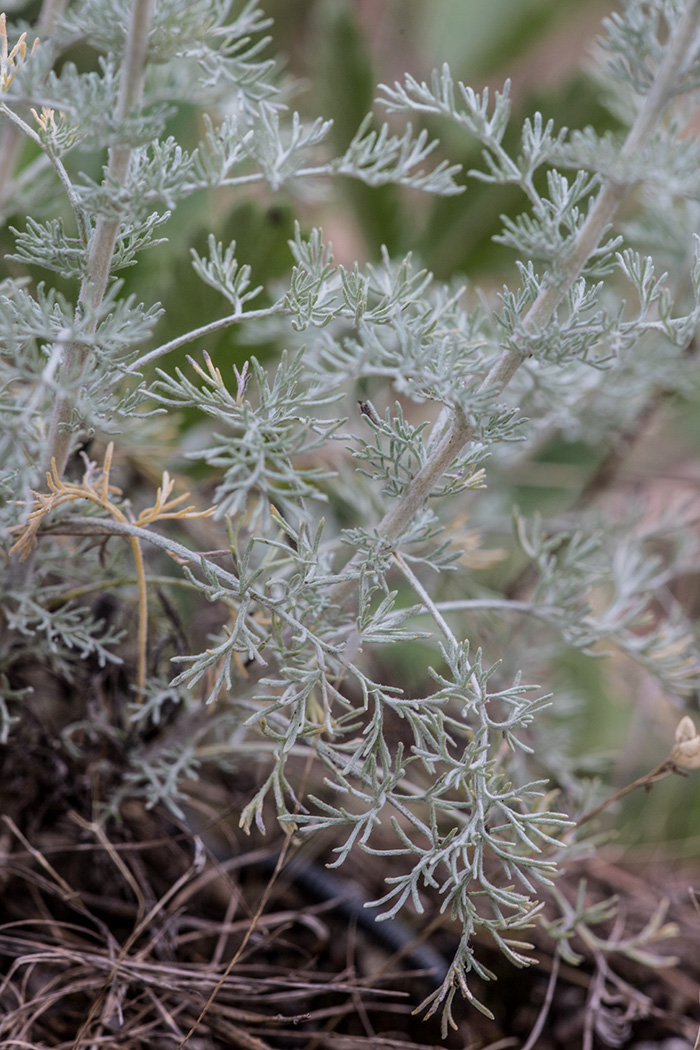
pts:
[458, 432]
[678, 53]
[104, 236]
[454, 437]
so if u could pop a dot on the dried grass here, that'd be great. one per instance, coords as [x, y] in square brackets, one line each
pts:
[120, 938]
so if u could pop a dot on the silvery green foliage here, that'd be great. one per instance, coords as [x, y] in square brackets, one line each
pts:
[590, 331]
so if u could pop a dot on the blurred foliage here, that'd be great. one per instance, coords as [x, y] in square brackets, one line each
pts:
[332, 42]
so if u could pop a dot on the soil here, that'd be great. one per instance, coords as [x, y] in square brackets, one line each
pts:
[139, 933]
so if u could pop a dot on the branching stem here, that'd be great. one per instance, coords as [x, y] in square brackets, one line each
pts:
[455, 436]
[678, 52]
[104, 236]
[458, 432]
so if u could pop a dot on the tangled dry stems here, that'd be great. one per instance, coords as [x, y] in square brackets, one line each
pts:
[120, 941]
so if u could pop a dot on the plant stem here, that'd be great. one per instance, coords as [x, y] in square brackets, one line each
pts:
[445, 452]
[131, 80]
[546, 1005]
[455, 436]
[104, 236]
[204, 330]
[664, 770]
[428, 603]
[678, 52]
